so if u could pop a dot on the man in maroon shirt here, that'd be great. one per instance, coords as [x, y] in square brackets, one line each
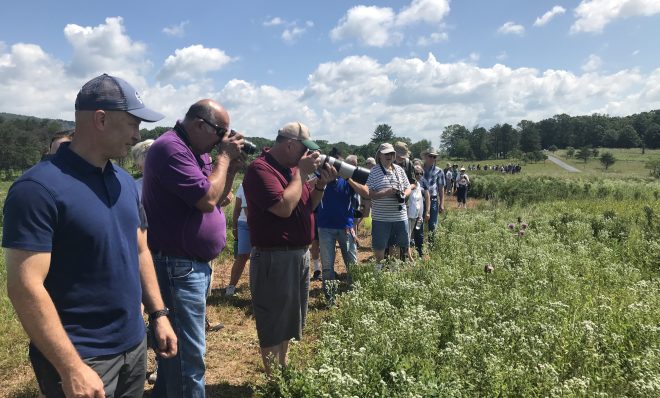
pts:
[280, 203]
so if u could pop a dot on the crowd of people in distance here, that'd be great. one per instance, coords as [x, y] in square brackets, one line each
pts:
[91, 252]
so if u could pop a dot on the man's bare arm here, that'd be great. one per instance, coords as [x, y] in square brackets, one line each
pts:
[26, 273]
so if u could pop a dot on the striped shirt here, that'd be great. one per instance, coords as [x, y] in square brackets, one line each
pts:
[388, 209]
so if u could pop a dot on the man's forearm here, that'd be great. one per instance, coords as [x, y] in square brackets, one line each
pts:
[39, 318]
[290, 198]
[218, 185]
[151, 297]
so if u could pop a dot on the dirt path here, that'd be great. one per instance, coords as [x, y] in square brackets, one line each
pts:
[563, 164]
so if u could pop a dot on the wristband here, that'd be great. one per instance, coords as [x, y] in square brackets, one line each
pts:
[157, 314]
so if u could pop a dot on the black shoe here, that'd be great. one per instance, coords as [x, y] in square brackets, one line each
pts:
[316, 276]
[213, 327]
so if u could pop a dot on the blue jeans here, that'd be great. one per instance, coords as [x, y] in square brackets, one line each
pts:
[328, 237]
[184, 285]
[433, 219]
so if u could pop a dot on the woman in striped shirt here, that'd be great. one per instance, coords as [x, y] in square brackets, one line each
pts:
[388, 189]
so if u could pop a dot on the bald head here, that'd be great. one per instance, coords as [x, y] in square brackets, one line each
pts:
[209, 110]
[206, 122]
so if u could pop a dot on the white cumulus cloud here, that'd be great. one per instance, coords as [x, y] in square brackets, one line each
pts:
[193, 63]
[433, 38]
[593, 15]
[381, 26]
[105, 48]
[511, 28]
[369, 25]
[592, 63]
[545, 18]
[274, 21]
[429, 11]
[178, 30]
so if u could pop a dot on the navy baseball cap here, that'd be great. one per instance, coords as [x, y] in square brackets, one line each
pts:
[111, 93]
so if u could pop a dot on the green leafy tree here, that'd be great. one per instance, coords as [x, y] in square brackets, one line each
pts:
[628, 138]
[553, 148]
[382, 133]
[530, 138]
[652, 136]
[570, 152]
[584, 153]
[607, 159]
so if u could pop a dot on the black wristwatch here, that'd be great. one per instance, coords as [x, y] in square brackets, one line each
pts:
[157, 314]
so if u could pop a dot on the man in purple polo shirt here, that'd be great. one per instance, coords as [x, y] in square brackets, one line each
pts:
[280, 204]
[187, 229]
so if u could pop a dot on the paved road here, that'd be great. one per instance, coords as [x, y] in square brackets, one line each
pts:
[563, 165]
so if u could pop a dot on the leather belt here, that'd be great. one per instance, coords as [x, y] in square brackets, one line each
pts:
[281, 248]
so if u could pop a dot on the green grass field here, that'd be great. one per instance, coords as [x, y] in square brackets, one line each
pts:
[571, 309]
[629, 162]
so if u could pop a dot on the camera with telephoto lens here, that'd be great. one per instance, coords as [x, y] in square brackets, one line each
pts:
[345, 170]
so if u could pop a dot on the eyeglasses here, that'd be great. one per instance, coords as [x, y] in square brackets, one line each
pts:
[419, 174]
[219, 130]
[432, 156]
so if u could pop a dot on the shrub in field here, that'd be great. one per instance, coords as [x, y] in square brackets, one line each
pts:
[526, 189]
[569, 308]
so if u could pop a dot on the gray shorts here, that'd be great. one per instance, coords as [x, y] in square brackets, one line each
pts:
[279, 282]
[122, 374]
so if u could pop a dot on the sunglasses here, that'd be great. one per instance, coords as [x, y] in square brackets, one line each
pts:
[419, 174]
[219, 130]
[432, 156]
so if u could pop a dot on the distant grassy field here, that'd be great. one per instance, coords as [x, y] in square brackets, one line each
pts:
[629, 162]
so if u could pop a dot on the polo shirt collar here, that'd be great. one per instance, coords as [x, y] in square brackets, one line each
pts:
[67, 156]
[285, 171]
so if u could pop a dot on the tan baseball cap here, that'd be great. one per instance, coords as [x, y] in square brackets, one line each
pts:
[300, 132]
[386, 147]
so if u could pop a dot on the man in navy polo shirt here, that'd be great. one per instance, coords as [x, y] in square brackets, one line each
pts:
[78, 265]
[187, 229]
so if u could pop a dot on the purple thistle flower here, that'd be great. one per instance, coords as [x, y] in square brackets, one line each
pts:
[523, 225]
[521, 233]
[511, 226]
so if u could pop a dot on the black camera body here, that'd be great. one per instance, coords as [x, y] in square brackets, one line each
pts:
[400, 196]
[248, 146]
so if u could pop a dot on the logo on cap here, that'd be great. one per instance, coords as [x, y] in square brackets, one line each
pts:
[137, 96]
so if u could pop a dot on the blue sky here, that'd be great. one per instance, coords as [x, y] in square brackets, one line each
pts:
[340, 66]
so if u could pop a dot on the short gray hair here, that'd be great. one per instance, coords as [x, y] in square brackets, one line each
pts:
[139, 151]
[351, 159]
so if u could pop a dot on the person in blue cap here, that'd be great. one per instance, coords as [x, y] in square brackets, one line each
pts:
[78, 266]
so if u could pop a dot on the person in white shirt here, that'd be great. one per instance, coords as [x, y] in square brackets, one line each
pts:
[242, 245]
[419, 209]
[462, 182]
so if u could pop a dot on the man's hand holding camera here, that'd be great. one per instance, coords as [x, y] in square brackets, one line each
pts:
[231, 146]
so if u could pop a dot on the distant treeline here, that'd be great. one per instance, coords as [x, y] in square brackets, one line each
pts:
[559, 132]
[24, 139]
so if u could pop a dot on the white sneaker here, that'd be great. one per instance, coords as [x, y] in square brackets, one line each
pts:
[230, 290]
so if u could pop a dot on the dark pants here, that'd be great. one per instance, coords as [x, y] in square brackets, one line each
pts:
[433, 218]
[418, 236]
[122, 374]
